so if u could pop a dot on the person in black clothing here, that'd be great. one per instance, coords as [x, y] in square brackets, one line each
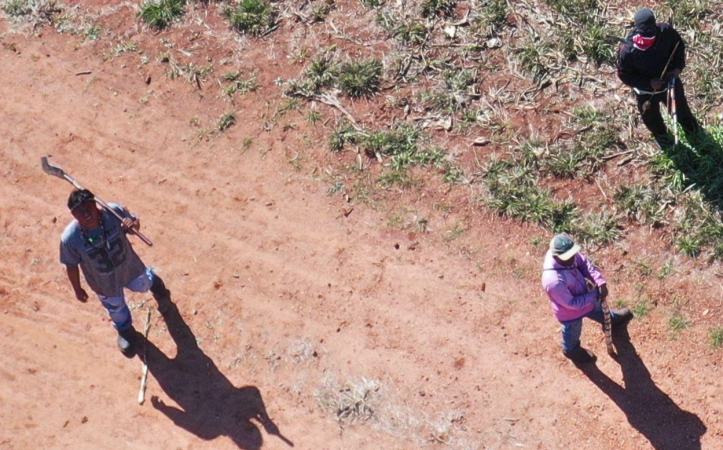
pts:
[641, 64]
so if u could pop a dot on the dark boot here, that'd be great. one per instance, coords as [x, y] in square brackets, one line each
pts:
[580, 355]
[126, 342]
[664, 141]
[620, 316]
[161, 294]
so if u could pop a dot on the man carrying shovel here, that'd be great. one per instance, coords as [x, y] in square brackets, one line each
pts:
[576, 289]
[96, 242]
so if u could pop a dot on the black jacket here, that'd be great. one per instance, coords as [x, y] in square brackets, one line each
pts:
[636, 67]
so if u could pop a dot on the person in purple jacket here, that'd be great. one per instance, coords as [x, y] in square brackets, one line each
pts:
[575, 287]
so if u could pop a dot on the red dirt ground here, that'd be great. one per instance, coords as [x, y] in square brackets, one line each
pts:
[280, 290]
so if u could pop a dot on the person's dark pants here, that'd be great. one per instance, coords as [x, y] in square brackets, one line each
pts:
[572, 329]
[654, 121]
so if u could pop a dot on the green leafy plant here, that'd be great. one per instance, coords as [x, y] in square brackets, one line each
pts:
[490, 18]
[399, 178]
[642, 309]
[372, 3]
[323, 71]
[361, 78]
[643, 203]
[533, 61]
[160, 13]
[716, 337]
[678, 323]
[238, 84]
[252, 17]
[35, 12]
[444, 8]
[514, 191]
[226, 121]
[342, 135]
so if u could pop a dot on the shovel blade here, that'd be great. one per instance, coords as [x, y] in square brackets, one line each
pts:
[51, 169]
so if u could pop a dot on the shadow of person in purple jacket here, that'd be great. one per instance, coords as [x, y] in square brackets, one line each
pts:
[648, 409]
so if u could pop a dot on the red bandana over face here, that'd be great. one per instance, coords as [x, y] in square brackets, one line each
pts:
[643, 43]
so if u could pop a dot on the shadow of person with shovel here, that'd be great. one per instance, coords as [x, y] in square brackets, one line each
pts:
[209, 405]
[648, 409]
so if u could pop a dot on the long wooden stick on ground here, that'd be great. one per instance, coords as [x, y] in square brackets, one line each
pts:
[144, 373]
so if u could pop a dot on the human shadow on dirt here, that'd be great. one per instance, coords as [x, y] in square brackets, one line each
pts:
[209, 404]
[648, 409]
[700, 159]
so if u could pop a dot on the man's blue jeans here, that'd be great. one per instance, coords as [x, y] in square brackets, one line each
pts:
[117, 308]
[572, 329]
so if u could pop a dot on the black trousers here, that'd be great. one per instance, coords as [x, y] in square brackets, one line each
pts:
[654, 121]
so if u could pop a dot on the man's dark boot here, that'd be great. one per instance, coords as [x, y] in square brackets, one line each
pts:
[664, 141]
[161, 294]
[621, 316]
[126, 342]
[580, 355]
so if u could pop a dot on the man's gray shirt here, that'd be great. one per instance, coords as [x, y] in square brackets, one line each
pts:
[108, 263]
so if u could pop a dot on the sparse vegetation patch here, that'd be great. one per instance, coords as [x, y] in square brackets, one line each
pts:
[34, 12]
[252, 17]
[160, 14]
[360, 78]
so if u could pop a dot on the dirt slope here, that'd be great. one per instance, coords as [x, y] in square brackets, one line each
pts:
[280, 294]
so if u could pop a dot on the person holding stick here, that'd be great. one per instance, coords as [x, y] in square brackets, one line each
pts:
[576, 289]
[651, 56]
[96, 242]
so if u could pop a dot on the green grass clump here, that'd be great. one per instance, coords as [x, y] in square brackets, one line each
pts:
[584, 155]
[688, 15]
[453, 95]
[699, 229]
[72, 24]
[533, 60]
[371, 4]
[342, 135]
[252, 17]
[678, 323]
[716, 337]
[160, 14]
[360, 78]
[514, 191]
[323, 71]
[598, 228]
[642, 309]
[644, 204]
[567, 162]
[574, 9]
[35, 12]
[402, 145]
[490, 19]
[238, 84]
[226, 121]
[443, 8]
[399, 178]
[595, 46]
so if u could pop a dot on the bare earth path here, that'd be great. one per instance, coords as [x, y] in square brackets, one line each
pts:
[279, 295]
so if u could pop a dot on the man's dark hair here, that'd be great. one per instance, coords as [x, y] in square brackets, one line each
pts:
[78, 197]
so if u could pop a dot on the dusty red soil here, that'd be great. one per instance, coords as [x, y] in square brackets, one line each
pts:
[280, 289]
